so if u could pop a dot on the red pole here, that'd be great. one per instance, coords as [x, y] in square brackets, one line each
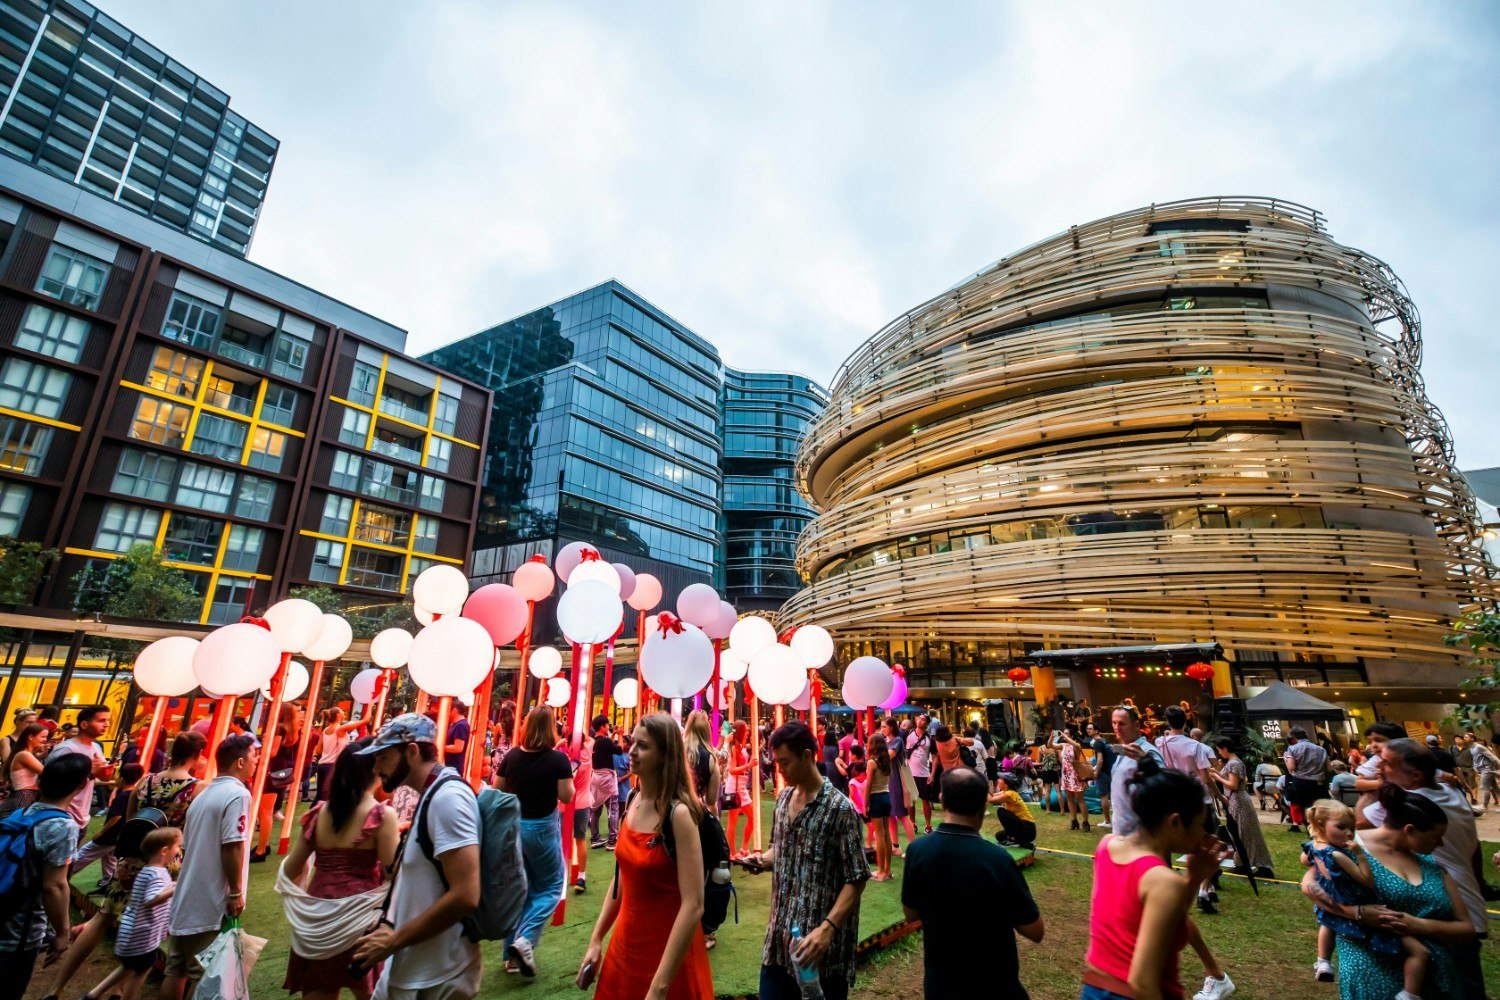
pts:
[609, 676]
[755, 764]
[718, 693]
[295, 794]
[223, 713]
[780, 721]
[153, 731]
[479, 724]
[267, 738]
[523, 646]
[815, 693]
[387, 679]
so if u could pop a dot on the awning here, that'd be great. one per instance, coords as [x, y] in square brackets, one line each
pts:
[1282, 701]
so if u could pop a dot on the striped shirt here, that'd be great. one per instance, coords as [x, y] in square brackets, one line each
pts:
[143, 927]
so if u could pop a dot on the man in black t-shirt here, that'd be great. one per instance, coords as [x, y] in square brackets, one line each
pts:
[604, 786]
[955, 865]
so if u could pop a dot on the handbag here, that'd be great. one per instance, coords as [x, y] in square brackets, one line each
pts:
[279, 779]
[1082, 768]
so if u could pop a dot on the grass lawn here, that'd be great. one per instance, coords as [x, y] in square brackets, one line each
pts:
[1267, 943]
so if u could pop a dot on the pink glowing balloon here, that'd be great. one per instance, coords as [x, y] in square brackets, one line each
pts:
[647, 593]
[898, 694]
[724, 624]
[569, 556]
[698, 604]
[627, 580]
[501, 609]
[533, 580]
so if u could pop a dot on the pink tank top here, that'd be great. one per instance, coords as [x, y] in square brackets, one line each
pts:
[1115, 922]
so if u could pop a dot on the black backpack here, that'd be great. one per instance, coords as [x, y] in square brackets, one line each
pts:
[715, 848]
[966, 756]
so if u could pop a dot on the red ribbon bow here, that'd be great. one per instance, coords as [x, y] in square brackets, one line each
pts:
[252, 620]
[539, 558]
[668, 622]
[588, 555]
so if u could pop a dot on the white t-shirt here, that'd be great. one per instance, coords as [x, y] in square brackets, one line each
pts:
[1368, 768]
[143, 927]
[1183, 753]
[1456, 854]
[919, 754]
[451, 815]
[82, 802]
[1124, 822]
[217, 816]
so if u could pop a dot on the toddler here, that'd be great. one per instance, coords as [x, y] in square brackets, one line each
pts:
[143, 925]
[1343, 871]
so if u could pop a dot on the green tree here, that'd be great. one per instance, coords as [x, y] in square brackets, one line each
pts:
[22, 566]
[137, 585]
[328, 600]
[1479, 633]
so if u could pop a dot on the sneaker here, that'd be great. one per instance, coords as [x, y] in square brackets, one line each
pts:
[609, 847]
[1403, 995]
[279, 815]
[1323, 971]
[1215, 989]
[595, 845]
[521, 953]
[1207, 906]
[1102, 825]
[580, 885]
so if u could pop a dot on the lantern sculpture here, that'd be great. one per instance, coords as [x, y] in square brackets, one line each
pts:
[164, 669]
[333, 641]
[867, 682]
[1018, 675]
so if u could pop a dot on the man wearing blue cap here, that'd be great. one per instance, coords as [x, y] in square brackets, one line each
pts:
[421, 940]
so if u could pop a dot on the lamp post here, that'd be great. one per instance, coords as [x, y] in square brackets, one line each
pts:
[163, 669]
[295, 624]
[332, 643]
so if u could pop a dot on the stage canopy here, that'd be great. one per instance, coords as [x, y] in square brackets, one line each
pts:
[1282, 701]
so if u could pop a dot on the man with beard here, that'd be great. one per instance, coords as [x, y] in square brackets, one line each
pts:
[422, 943]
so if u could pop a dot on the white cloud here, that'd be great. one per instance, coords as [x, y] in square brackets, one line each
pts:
[785, 178]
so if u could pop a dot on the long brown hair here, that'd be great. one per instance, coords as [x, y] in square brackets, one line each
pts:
[541, 730]
[675, 785]
[879, 753]
[696, 734]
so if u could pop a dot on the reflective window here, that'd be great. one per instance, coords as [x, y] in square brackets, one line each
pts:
[363, 384]
[218, 437]
[375, 570]
[439, 453]
[425, 537]
[175, 373]
[192, 539]
[433, 490]
[355, 429]
[160, 422]
[336, 513]
[231, 600]
[279, 406]
[13, 500]
[242, 550]
[290, 356]
[145, 474]
[267, 449]
[125, 525]
[255, 498]
[33, 388]
[54, 332]
[73, 277]
[23, 446]
[382, 525]
[191, 320]
[230, 395]
[445, 421]
[328, 557]
[205, 487]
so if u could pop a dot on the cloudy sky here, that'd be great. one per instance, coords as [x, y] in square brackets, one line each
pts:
[784, 178]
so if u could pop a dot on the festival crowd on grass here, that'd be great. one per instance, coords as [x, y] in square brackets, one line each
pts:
[400, 869]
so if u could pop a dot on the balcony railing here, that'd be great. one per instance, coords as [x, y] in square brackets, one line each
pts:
[244, 355]
[394, 450]
[403, 411]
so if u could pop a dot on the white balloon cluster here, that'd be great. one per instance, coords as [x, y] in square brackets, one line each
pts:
[243, 657]
[777, 671]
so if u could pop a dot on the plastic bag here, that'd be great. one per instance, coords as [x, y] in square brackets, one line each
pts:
[227, 963]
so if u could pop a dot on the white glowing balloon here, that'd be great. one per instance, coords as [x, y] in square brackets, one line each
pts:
[569, 557]
[422, 615]
[333, 640]
[698, 604]
[236, 659]
[724, 698]
[295, 684]
[165, 668]
[596, 569]
[391, 648]
[441, 589]
[777, 674]
[450, 657]
[627, 580]
[590, 612]
[731, 667]
[750, 635]
[362, 687]
[867, 682]
[558, 692]
[804, 700]
[295, 623]
[677, 660]
[627, 692]
[544, 662]
[813, 644]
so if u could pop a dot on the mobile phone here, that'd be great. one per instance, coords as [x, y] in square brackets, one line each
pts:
[586, 976]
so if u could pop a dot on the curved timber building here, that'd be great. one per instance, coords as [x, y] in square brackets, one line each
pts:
[1198, 422]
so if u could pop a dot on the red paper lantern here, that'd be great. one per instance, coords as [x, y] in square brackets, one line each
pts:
[1018, 675]
[1201, 672]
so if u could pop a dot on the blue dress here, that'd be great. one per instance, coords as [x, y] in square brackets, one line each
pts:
[1368, 975]
[1342, 886]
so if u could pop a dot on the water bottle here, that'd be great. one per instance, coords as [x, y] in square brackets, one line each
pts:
[720, 874]
[807, 976]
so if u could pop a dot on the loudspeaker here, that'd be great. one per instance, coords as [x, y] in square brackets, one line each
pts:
[1001, 721]
[1230, 721]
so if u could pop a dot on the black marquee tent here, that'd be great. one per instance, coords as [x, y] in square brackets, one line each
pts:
[1282, 701]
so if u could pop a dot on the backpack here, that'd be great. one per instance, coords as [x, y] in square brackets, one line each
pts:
[502, 878]
[717, 886]
[966, 756]
[15, 842]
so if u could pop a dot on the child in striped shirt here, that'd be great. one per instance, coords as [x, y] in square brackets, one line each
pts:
[143, 925]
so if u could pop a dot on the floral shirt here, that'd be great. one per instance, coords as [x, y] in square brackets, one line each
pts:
[817, 853]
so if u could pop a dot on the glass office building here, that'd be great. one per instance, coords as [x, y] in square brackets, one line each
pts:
[763, 416]
[604, 430]
[86, 99]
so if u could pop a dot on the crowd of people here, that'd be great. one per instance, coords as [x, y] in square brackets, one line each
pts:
[385, 872]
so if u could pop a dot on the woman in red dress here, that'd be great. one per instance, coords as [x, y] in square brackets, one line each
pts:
[654, 904]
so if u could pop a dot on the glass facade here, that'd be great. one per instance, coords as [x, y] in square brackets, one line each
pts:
[763, 415]
[604, 429]
[86, 99]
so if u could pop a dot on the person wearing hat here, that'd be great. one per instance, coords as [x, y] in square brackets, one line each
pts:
[421, 940]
